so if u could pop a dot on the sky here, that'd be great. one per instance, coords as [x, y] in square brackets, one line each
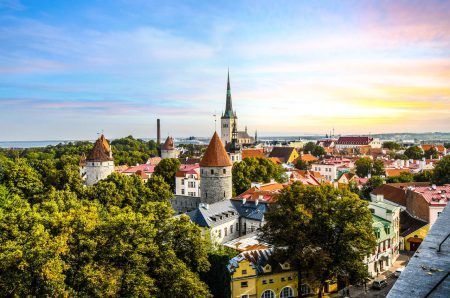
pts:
[72, 69]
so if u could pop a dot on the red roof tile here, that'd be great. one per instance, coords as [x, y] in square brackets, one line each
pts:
[215, 155]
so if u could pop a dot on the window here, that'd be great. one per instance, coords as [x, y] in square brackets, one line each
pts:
[224, 194]
[231, 229]
[283, 279]
[268, 294]
[244, 272]
[244, 284]
[237, 226]
[271, 281]
[287, 292]
[264, 282]
[182, 191]
[245, 296]
[182, 181]
[305, 289]
[224, 171]
[439, 214]
[225, 232]
[212, 171]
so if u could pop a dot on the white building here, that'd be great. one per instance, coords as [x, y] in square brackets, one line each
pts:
[332, 168]
[356, 142]
[187, 181]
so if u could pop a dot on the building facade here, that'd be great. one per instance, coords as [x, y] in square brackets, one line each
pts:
[187, 181]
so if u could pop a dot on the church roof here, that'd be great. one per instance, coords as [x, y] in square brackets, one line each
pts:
[101, 150]
[215, 155]
[168, 144]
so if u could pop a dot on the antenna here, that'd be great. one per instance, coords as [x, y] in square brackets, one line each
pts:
[215, 121]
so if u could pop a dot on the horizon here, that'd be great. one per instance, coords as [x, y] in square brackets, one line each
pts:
[71, 70]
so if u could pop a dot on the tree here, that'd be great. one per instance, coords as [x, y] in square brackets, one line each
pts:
[167, 168]
[414, 152]
[402, 178]
[424, 176]
[314, 149]
[318, 151]
[301, 164]
[255, 169]
[378, 168]
[20, 178]
[391, 145]
[309, 147]
[363, 166]
[324, 233]
[431, 153]
[371, 184]
[441, 172]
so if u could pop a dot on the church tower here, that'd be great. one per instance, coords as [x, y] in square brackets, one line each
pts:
[99, 163]
[234, 148]
[228, 117]
[215, 173]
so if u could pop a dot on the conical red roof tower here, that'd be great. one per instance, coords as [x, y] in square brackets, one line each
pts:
[215, 155]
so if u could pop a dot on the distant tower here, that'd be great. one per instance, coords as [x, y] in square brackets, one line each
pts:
[168, 149]
[158, 132]
[215, 173]
[228, 117]
[234, 148]
[256, 136]
[99, 163]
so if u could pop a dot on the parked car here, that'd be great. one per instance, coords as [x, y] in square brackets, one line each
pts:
[379, 284]
[399, 271]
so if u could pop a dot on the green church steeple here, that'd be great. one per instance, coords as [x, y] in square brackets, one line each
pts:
[229, 104]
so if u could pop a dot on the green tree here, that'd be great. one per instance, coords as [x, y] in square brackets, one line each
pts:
[431, 153]
[371, 184]
[301, 164]
[441, 172]
[414, 152]
[20, 178]
[402, 178]
[318, 151]
[401, 156]
[255, 169]
[323, 232]
[391, 145]
[363, 166]
[167, 169]
[424, 176]
[309, 147]
[378, 168]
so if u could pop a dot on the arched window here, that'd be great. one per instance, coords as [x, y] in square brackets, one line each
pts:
[287, 292]
[268, 294]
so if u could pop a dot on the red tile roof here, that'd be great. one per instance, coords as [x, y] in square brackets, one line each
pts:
[168, 144]
[188, 169]
[247, 153]
[436, 196]
[264, 193]
[215, 155]
[354, 140]
[396, 172]
[101, 150]
[146, 168]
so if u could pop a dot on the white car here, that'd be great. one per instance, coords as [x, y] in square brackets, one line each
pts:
[399, 271]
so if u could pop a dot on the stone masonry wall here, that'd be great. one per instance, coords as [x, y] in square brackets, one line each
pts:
[216, 184]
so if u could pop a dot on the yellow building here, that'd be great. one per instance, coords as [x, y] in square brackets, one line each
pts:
[413, 240]
[285, 154]
[255, 274]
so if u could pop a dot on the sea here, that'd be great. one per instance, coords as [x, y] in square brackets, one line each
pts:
[30, 144]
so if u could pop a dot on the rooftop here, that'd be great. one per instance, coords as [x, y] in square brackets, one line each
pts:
[427, 273]
[435, 195]
[354, 140]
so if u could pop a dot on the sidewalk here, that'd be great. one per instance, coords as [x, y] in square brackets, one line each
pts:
[366, 291]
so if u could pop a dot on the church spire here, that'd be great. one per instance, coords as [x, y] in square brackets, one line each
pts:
[229, 105]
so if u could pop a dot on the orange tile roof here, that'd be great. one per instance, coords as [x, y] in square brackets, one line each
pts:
[307, 157]
[247, 153]
[215, 155]
[265, 192]
[395, 172]
[275, 160]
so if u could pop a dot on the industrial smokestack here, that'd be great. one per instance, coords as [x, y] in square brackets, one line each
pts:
[158, 132]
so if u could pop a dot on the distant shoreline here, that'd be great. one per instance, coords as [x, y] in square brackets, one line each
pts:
[432, 137]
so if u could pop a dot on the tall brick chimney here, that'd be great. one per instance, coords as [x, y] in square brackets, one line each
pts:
[158, 132]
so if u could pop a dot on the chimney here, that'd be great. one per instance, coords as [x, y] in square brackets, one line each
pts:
[158, 132]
